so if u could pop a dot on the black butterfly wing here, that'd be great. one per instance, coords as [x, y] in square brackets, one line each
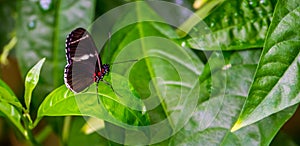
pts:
[82, 60]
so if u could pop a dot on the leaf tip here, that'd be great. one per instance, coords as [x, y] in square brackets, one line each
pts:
[236, 126]
[43, 60]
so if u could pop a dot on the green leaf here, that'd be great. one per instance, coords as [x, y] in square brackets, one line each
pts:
[234, 25]
[13, 115]
[277, 84]
[60, 102]
[212, 120]
[41, 32]
[31, 80]
[63, 102]
[10, 107]
[7, 95]
[164, 75]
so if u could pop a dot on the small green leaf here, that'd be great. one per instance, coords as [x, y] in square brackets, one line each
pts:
[13, 115]
[10, 107]
[7, 95]
[277, 84]
[31, 80]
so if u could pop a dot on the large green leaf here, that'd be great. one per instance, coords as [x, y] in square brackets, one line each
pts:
[212, 120]
[235, 25]
[62, 102]
[277, 81]
[164, 76]
[42, 28]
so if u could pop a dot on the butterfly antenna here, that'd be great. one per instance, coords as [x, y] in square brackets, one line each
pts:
[132, 60]
[109, 41]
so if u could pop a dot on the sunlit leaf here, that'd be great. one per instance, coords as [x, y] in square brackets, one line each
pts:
[277, 84]
[7, 95]
[13, 115]
[31, 80]
[212, 120]
[10, 107]
[63, 102]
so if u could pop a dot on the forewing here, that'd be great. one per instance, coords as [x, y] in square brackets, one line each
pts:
[82, 55]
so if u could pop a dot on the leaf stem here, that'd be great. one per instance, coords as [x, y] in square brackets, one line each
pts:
[7, 48]
[28, 133]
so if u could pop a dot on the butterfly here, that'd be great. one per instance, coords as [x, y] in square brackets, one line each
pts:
[84, 66]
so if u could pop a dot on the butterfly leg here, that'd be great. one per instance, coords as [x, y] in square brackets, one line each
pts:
[97, 93]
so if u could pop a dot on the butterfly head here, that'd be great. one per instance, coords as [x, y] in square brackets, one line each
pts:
[105, 69]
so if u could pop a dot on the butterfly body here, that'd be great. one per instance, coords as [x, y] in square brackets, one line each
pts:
[84, 65]
[99, 75]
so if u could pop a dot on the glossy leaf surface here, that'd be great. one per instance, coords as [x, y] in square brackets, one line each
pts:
[31, 80]
[235, 25]
[10, 107]
[212, 120]
[277, 84]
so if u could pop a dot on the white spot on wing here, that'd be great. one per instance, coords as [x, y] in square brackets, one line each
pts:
[83, 57]
[82, 38]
